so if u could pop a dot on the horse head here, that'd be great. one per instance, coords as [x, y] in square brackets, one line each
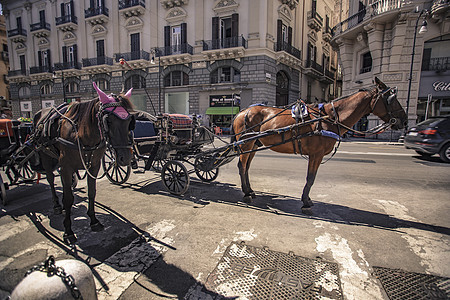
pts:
[117, 122]
[389, 109]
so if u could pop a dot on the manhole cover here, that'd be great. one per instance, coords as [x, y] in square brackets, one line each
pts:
[259, 273]
[400, 284]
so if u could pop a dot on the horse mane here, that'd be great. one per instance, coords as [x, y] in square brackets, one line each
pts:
[83, 114]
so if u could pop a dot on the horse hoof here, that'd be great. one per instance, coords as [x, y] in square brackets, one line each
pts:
[97, 227]
[247, 199]
[253, 195]
[57, 210]
[307, 211]
[69, 239]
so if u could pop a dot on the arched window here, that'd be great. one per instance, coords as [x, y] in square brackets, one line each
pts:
[24, 92]
[102, 84]
[225, 74]
[46, 89]
[176, 78]
[72, 87]
[135, 82]
[282, 97]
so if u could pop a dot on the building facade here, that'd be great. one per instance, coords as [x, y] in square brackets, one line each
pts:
[376, 38]
[5, 103]
[209, 58]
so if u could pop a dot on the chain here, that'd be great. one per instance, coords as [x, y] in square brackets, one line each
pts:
[51, 269]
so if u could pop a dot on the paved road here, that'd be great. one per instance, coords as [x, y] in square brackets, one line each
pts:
[375, 205]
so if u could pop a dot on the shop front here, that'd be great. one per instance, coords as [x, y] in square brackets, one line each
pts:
[434, 95]
[221, 111]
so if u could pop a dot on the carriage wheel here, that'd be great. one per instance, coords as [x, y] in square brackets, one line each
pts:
[203, 172]
[25, 172]
[114, 172]
[158, 165]
[3, 192]
[175, 177]
[18, 168]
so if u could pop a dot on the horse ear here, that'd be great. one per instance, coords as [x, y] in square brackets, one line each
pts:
[128, 94]
[101, 94]
[380, 84]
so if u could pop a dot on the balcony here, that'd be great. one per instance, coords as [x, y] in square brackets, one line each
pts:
[18, 76]
[227, 48]
[96, 15]
[70, 65]
[177, 54]
[313, 69]
[16, 73]
[131, 8]
[172, 3]
[288, 54]
[67, 23]
[439, 9]
[328, 76]
[438, 64]
[327, 34]
[98, 64]
[133, 56]
[17, 35]
[41, 29]
[40, 69]
[315, 21]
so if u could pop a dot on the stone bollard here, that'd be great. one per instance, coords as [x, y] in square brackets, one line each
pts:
[64, 279]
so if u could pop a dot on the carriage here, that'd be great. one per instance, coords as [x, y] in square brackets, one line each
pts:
[13, 135]
[166, 144]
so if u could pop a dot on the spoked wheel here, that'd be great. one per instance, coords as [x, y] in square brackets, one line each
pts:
[25, 172]
[114, 172]
[203, 170]
[19, 167]
[158, 165]
[3, 192]
[175, 177]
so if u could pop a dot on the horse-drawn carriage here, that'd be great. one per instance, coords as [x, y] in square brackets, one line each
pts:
[13, 135]
[165, 143]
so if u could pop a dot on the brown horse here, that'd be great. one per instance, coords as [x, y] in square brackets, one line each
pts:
[337, 118]
[78, 142]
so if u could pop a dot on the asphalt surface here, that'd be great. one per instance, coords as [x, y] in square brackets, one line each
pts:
[376, 204]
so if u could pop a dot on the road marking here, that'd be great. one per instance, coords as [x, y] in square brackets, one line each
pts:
[356, 282]
[12, 228]
[374, 153]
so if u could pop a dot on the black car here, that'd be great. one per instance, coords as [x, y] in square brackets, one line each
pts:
[430, 137]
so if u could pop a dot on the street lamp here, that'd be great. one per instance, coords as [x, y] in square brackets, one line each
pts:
[423, 29]
[152, 61]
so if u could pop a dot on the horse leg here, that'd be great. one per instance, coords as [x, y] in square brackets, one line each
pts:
[92, 189]
[66, 178]
[244, 166]
[313, 166]
[47, 165]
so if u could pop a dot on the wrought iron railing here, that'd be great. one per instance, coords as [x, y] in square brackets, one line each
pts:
[350, 22]
[17, 31]
[314, 65]
[96, 61]
[40, 25]
[231, 42]
[175, 49]
[68, 65]
[436, 64]
[20, 72]
[40, 69]
[383, 6]
[312, 14]
[130, 3]
[283, 46]
[95, 11]
[66, 19]
[134, 55]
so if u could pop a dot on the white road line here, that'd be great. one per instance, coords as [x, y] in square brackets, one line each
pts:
[374, 153]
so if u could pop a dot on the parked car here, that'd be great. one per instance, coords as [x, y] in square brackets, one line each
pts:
[430, 137]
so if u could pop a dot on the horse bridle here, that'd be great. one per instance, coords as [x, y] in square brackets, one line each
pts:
[387, 96]
[103, 115]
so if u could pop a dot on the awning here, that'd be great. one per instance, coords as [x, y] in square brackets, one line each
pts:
[228, 110]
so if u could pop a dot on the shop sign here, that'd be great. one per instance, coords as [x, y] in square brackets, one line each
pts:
[224, 100]
[48, 103]
[25, 106]
[441, 86]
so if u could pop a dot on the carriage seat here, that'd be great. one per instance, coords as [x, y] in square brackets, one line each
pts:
[49, 117]
[144, 130]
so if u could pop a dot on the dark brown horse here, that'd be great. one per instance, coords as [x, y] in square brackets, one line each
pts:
[78, 142]
[340, 115]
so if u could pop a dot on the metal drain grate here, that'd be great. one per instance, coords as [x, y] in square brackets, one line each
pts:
[400, 284]
[258, 273]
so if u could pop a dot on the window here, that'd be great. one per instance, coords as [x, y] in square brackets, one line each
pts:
[176, 78]
[102, 84]
[46, 89]
[135, 46]
[366, 63]
[24, 92]
[135, 82]
[72, 87]
[23, 65]
[225, 31]
[225, 74]
[284, 33]
[176, 39]
[70, 55]
[5, 47]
